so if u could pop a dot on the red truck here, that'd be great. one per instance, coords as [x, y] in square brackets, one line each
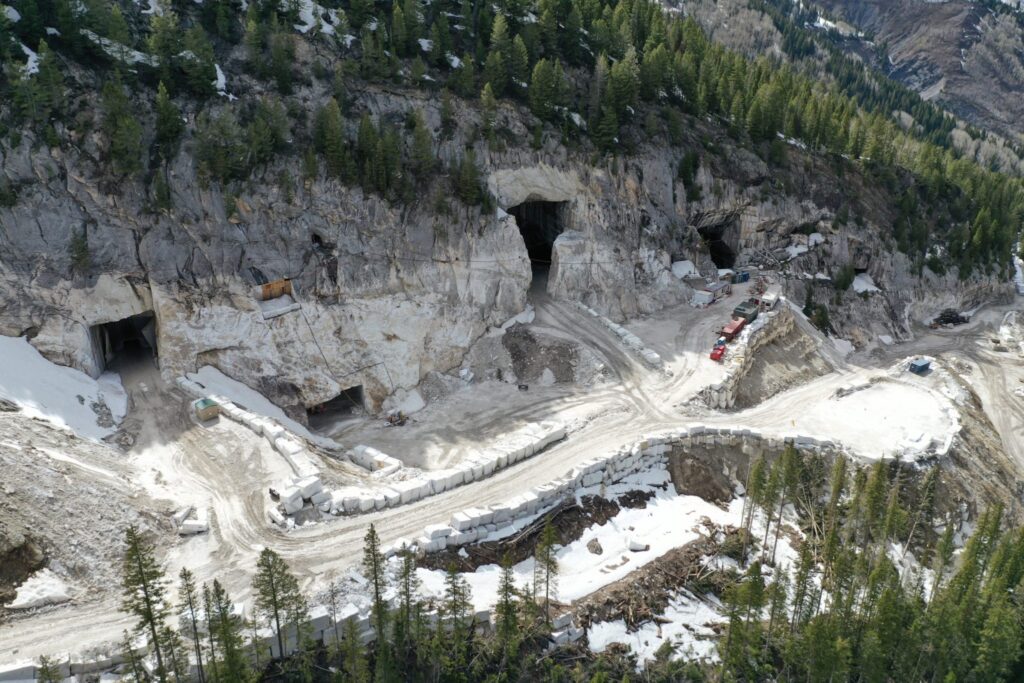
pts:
[733, 328]
[717, 353]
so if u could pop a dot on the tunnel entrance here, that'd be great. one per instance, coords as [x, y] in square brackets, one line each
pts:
[540, 223]
[130, 338]
[722, 253]
[324, 416]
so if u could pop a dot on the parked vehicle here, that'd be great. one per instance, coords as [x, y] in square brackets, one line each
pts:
[718, 353]
[734, 327]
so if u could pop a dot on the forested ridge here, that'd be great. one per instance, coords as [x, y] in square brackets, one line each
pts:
[604, 76]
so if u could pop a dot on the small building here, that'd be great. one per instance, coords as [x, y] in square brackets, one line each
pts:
[746, 310]
[702, 298]
[920, 366]
[273, 290]
[206, 409]
[719, 290]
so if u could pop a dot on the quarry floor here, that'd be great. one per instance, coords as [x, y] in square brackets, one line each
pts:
[175, 461]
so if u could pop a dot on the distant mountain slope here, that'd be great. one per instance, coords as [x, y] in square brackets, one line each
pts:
[969, 56]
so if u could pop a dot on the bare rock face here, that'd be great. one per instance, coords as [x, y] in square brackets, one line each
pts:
[385, 294]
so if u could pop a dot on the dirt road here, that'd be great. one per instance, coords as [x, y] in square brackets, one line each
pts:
[229, 469]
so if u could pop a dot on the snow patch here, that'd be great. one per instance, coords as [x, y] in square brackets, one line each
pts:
[32, 63]
[42, 588]
[844, 346]
[686, 624]
[684, 269]
[863, 283]
[12, 14]
[60, 395]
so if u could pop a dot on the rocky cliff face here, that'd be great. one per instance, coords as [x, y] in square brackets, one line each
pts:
[387, 293]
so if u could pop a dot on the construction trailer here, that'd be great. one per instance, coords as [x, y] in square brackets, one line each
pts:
[719, 290]
[747, 310]
[702, 298]
[206, 409]
[274, 290]
[920, 366]
[733, 328]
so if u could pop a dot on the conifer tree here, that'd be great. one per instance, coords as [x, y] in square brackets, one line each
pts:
[353, 657]
[545, 573]
[278, 598]
[518, 65]
[210, 618]
[489, 107]
[455, 628]
[496, 72]
[169, 125]
[124, 133]
[467, 179]
[47, 671]
[422, 147]
[144, 589]
[507, 613]
[188, 608]
[164, 42]
[198, 62]
[373, 571]
[226, 631]
[331, 138]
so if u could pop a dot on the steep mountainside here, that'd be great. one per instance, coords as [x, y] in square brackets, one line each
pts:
[161, 164]
[967, 55]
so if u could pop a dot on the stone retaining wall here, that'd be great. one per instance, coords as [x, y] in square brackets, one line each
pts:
[767, 328]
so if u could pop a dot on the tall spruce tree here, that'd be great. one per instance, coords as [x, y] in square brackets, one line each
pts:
[278, 598]
[144, 592]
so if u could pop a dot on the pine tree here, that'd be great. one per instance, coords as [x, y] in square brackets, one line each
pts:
[496, 72]
[278, 598]
[447, 114]
[500, 39]
[373, 571]
[463, 79]
[489, 109]
[47, 671]
[518, 65]
[144, 588]
[624, 84]
[169, 125]
[408, 603]
[422, 147]
[136, 673]
[607, 130]
[507, 613]
[545, 573]
[595, 95]
[399, 39]
[455, 629]
[164, 42]
[331, 138]
[188, 608]
[353, 658]
[226, 631]
[282, 55]
[124, 133]
[544, 90]
[211, 620]
[467, 179]
[198, 64]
